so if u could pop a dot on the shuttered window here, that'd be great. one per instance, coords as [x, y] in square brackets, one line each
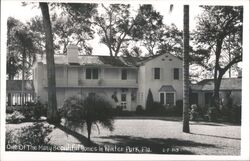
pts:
[176, 74]
[124, 74]
[92, 73]
[157, 74]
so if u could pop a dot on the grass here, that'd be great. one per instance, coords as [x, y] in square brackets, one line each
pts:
[157, 136]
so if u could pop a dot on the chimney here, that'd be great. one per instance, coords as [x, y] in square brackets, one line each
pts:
[72, 54]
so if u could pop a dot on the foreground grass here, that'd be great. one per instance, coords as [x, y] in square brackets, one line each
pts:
[158, 136]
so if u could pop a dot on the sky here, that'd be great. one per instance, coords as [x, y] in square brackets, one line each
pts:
[25, 13]
[15, 9]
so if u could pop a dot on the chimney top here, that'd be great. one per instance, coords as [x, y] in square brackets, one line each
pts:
[72, 54]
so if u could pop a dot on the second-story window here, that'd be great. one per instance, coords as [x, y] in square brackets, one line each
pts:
[92, 73]
[157, 73]
[124, 74]
[176, 74]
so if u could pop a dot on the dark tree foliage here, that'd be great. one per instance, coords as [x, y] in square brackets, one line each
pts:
[119, 28]
[218, 28]
[20, 48]
[64, 32]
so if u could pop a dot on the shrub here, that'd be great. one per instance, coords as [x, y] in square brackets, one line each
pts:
[212, 114]
[179, 107]
[27, 111]
[36, 135]
[156, 109]
[39, 110]
[194, 112]
[150, 101]
[15, 117]
[170, 111]
[32, 111]
[92, 110]
[10, 109]
[237, 114]
[139, 110]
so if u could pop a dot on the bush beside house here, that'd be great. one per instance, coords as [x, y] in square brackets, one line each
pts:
[31, 111]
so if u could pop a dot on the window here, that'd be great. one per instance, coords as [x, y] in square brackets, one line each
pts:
[176, 74]
[170, 98]
[88, 73]
[91, 73]
[95, 73]
[167, 98]
[162, 98]
[156, 73]
[123, 97]
[124, 74]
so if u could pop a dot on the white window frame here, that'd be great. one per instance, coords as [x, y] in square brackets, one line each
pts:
[91, 73]
[178, 73]
[155, 72]
[164, 100]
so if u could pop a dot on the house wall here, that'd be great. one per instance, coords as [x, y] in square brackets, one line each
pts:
[235, 95]
[166, 63]
[71, 80]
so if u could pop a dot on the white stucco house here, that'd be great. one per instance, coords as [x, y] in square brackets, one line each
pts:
[125, 81]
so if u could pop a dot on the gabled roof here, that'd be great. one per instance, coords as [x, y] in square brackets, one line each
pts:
[146, 59]
[226, 84]
[16, 85]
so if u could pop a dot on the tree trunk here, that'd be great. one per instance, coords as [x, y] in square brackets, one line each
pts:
[52, 114]
[186, 70]
[217, 75]
[23, 72]
[89, 130]
[216, 95]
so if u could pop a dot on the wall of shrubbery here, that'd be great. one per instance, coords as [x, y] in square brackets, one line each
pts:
[31, 111]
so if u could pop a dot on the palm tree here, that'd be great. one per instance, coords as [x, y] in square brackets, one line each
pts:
[52, 115]
[186, 69]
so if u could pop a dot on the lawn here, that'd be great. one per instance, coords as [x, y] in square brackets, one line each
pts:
[157, 136]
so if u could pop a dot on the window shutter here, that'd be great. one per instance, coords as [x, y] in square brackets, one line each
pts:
[172, 74]
[161, 74]
[180, 74]
[152, 74]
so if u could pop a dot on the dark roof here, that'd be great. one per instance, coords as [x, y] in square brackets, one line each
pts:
[167, 88]
[16, 85]
[98, 60]
[120, 61]
[226, 84]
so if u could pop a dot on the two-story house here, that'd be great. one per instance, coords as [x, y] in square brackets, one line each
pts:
[124, 81]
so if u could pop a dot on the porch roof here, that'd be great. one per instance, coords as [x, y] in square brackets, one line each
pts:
[16, 85]
[167, 88]
[226, 84]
